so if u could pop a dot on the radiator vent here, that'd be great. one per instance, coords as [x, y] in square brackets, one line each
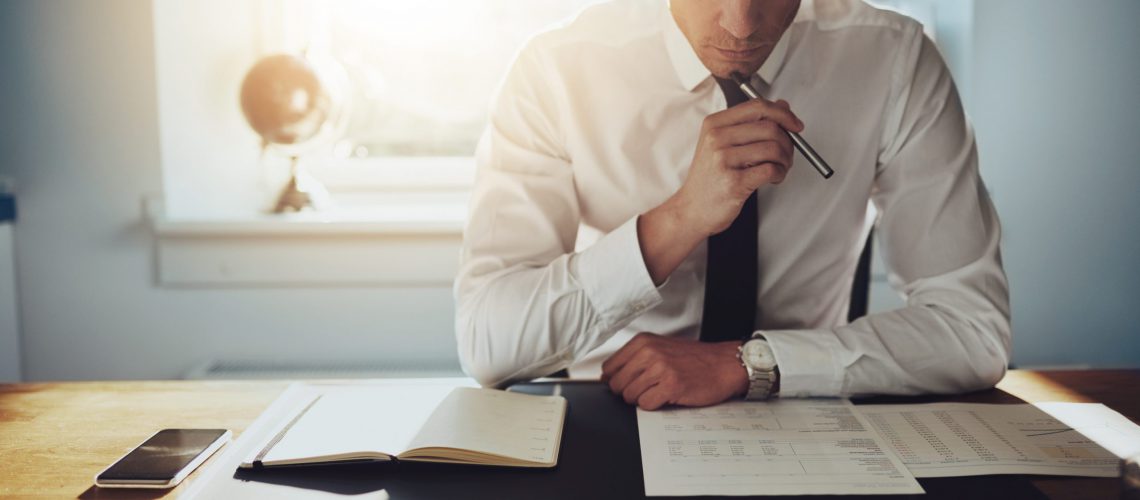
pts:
[251, 370]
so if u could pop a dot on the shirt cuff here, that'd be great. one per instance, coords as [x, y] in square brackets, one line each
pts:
[808, 361]
[613, 274]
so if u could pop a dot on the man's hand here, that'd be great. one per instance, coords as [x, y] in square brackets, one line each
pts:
[652, 371]
[739, 150]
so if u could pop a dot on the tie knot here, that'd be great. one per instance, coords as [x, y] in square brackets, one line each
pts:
[733, 95]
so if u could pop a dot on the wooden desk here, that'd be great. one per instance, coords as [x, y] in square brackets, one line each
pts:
[54, 437]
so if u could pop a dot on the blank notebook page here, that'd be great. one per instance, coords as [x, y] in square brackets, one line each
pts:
[520, 426]
[376, 419]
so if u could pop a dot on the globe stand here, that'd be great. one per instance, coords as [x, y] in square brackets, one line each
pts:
[301, 192]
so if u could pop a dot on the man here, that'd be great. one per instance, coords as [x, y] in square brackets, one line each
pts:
[625, 224]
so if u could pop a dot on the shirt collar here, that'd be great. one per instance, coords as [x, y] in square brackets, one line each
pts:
[691, 71]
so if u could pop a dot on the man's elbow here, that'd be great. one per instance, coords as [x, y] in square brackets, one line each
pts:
[954, 375]
[987, 374]
[498, 370]
[486, 373]
[976, 360]
[985, 368]
[479, 360]
[475, 357]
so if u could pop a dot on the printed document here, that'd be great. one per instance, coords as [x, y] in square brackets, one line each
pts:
[965, 439]
[782, 447]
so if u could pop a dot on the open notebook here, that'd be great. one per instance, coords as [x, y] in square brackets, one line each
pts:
[420, 423]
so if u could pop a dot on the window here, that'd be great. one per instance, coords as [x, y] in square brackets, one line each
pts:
[418, 77]
[421, 73]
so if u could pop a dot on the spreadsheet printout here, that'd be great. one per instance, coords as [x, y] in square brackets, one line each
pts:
[968, 439]
[782, 447]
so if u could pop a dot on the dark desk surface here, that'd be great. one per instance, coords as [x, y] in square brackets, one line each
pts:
[55, 437]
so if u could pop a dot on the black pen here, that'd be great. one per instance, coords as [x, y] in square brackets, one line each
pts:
[804, 148]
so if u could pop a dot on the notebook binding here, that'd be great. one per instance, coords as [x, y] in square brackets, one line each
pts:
[281, 434]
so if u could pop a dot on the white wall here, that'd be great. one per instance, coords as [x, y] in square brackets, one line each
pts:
[1055, 97]
[79, 136]
[10, 353]
[1051, 91]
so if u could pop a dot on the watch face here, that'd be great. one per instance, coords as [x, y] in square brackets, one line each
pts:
[759, 356]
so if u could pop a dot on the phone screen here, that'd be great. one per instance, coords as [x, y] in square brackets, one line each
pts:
[162, 456]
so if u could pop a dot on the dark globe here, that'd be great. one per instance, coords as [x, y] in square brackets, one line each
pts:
[284, 100]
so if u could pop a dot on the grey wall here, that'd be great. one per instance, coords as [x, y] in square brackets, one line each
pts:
[1055, 98]
[1051, 90]
[78, 116]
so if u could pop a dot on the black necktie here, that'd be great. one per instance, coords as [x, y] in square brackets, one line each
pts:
[730, 281]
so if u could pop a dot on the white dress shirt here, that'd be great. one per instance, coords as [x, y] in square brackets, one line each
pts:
[597, 122]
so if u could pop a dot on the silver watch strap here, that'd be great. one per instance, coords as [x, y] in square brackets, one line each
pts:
[760, 385]
[760, 382]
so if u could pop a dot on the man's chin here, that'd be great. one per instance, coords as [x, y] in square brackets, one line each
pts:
[724, 69]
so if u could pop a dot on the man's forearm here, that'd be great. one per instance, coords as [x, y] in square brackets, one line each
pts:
[666, 238]
[527, 321]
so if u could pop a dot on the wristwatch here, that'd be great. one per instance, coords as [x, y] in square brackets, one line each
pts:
[758, 360]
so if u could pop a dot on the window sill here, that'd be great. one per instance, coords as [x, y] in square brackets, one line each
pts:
[405, 242]
[335, 223]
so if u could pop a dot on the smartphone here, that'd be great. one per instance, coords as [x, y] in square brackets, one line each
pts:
[164, 459]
